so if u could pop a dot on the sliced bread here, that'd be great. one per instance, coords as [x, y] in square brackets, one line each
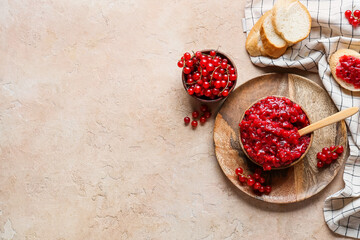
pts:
[253, 44]
[292, 20]
[334, 61]
[273, 44]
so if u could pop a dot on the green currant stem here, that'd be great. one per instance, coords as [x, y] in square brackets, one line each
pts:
[335, 149]
[213, 74]
[244, 176]
[227, 83]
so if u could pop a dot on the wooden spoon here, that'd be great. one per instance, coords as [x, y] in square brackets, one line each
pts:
[329, 120]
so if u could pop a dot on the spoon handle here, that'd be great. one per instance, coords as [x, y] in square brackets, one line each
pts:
[329, 120]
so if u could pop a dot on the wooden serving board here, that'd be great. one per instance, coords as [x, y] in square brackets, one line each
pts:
[304, 179]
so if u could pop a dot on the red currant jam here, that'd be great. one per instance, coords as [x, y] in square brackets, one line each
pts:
[348, 69]
[269, 132]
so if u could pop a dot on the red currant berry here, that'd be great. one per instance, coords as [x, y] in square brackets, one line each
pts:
[210, 67]
[225, 93]
[207, 114]
[328, 153]
[332, 148]
[239, 171]
[356, 13]
[256, 176]
[197, 89]
[198, 54]
[224, 64]
[267, 167]
[215, 91]
[196, 76]
[355, 22]
[187, 70]
[262, 180]
[320, 164]
[200, 82]
[217, 84]
[223, 83]
[195, 114]
[191, 91]
[215, 75]
[232, 77]
[208, 92]
[348, 14]
[261, 189]
[220, 76]
[204, 72]
[250, 182]
[334, 155]
[328, 160]
[180, 64]
[190, 81]
[351, 19]
[194, 123]
[267, 189]
[242, 179]
[212, 53]
[189, 63]
[203, 63]
[256, 186]
[206, 85]
[203, 120]
[231, 70]
[186, 120]
[215, 62]
[340, 149]
[187, 56]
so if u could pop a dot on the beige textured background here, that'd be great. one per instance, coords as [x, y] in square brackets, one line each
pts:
[92, 141]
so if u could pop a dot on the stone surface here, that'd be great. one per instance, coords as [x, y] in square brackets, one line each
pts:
[92, 142]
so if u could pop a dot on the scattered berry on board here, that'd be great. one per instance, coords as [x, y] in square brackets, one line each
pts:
[255, 181]
[328, 155]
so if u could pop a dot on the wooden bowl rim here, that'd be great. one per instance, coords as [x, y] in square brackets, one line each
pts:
[230, 90]
[296, 161]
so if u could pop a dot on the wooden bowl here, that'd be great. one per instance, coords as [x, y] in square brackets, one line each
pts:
[206, 100]
[294, 162]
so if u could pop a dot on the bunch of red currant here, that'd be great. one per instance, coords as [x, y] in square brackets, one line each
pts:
[255, 180]
[353, 17]
[328, 155]
[195, 114]
[208, 76]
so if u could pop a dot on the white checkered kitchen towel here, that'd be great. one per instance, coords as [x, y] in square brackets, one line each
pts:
[330, 31]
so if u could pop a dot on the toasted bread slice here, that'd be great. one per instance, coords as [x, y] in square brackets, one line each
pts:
[253, 44]
[291, 20]
[334, 61]
[273, 44]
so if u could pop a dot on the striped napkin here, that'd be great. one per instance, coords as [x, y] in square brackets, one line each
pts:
[329, 31]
